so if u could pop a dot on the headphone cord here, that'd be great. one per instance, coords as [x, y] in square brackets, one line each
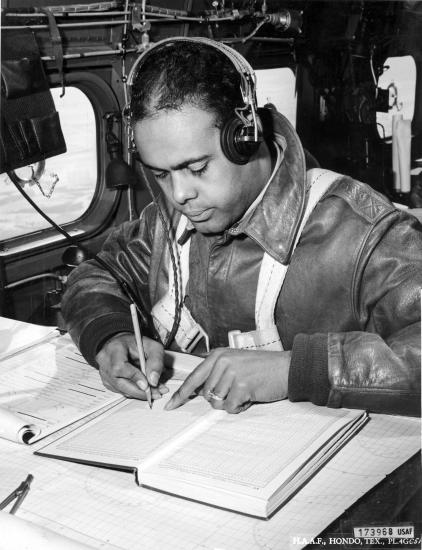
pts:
[175, 263]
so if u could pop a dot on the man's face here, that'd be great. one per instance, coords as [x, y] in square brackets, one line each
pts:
[182, 148]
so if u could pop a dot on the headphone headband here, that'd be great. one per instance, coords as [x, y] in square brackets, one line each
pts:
[243, 130]
[239, 62]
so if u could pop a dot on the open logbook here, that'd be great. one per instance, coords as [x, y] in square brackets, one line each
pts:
[46, 384]
[250, 463]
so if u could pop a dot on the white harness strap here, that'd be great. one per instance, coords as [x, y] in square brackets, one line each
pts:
[271, 278]
[272, 274]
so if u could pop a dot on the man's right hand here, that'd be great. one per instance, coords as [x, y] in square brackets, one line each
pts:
[118, 363]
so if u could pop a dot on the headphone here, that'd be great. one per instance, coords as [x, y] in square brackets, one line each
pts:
[241, 135]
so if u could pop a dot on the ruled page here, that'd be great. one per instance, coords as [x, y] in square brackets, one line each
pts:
[51, 385]
[250, 455]
[128, 433]
[255, 446]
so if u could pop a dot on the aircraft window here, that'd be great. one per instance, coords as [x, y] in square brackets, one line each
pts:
[67, 182]
[399, 78]
[278, 86]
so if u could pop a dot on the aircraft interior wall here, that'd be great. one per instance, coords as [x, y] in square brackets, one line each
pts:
[336, 51]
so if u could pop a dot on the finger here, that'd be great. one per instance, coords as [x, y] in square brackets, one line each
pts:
[123, 376]
[154, 353]
[195, 379]
[128, 380]
[131, 382]
[156, 394]
[129, 388]
[217, 378]
[219, 382]
[237, 409]
[216, 403]
[217, 397]
[237, 401]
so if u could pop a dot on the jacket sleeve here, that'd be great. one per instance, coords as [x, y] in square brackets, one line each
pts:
[94, 305]
[378, 368]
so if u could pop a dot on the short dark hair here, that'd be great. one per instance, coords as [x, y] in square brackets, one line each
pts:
[180, 73]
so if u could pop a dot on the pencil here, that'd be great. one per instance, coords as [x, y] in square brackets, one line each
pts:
[140, 347]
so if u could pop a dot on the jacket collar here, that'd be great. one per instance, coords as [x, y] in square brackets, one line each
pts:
[273, 224]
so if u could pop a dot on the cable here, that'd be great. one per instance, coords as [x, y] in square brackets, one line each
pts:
[61, 278]
[123, 284]
[371, 65]
[245, 38]
[69, 25]
[176, 265]
[40, 212]
[125, 93]
[253, 33]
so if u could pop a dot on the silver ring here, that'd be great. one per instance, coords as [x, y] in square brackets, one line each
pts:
[215, 396]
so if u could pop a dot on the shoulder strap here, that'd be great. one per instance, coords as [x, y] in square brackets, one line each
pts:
[272, 272]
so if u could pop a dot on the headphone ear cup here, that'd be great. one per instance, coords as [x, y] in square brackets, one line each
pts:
[235, 150]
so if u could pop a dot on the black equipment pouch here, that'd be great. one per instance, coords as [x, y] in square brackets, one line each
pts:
[30, 125]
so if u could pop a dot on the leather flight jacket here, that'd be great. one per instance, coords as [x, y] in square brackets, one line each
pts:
[349, 309]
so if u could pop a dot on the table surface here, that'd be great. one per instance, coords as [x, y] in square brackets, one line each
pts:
[105, 509]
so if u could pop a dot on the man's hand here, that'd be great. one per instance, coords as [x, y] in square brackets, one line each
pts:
[119, 366]
[233, 379]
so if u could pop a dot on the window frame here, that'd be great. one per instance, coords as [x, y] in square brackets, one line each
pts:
[386, 136]
[105, 201]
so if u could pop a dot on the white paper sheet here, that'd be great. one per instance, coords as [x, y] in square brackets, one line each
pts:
[49, 386]
[16, 336]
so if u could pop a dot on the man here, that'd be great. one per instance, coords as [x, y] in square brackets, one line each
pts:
[347, 316]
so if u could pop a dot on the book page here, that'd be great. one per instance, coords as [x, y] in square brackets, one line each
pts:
[255, 452]
[17, 335]
[129, 432]
[51, 385]
[301, 476]
[176, 451]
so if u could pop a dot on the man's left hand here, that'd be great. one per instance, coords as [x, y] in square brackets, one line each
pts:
[233, 379]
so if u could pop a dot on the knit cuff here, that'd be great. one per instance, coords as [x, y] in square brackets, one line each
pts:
[99, 331]
[308, 374]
